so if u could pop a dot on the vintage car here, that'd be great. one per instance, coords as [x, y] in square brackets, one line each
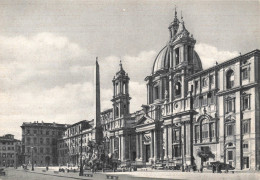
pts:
[220, 166]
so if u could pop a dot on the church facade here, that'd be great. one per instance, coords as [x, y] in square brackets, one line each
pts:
[192, 116]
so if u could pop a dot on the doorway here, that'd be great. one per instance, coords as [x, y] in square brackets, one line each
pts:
[47, 160]
[245, 162]
[147, 152]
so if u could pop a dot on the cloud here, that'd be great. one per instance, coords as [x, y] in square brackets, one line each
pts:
[210, 54]
[47, 77]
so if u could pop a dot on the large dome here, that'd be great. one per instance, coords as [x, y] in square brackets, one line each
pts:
[164, 57]
[162, 60]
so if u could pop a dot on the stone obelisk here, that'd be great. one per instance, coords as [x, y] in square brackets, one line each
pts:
[97, 124]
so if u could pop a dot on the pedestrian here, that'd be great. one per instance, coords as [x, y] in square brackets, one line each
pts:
[213, 168]
[227, 168]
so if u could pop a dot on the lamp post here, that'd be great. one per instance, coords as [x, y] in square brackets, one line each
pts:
[32, 158]
[81, 165]
[182, 156]
[191, 128]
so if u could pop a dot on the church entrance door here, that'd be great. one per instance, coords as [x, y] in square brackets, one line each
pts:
[147, 153]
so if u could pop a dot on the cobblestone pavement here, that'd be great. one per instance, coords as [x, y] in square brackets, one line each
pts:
[19, 174]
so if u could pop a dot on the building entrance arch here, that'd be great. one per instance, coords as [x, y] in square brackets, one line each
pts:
[47, 160]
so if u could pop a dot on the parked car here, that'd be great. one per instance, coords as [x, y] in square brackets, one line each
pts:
[219, 166]
[2, 172]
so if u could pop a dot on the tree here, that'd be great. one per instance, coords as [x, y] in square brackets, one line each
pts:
[205, 154]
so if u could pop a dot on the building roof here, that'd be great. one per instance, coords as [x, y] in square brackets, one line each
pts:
[251, 53]
[42, 124]
[8, 138]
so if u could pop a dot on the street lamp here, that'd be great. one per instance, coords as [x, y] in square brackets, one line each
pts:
[32, 158]
[182, 155]
[81, 164]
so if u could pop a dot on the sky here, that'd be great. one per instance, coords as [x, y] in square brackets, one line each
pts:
[48, 50]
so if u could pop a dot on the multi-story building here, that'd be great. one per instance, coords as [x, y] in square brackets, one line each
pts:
[10, 151]
[69, 146]
[39, 142]
[193, 116]
[196, 116]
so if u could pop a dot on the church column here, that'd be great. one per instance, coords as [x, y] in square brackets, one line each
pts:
[113, 144]
[123, 152]
[155, 145]
[166, 142]
[188, 140]
[110, 145]
[141, 145]
[151, 145]
[170, 90]
[170, 142]
[129, 147]
[148, 93]
[182, 142]
[161, 144]
[119, 148]
[137, 146]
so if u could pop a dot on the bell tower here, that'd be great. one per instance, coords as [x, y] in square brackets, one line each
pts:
[173, 27]
[121, 98]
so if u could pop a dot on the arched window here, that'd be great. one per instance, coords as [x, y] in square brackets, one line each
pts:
[177, 56]
[117, 111]
[230, 79]
[178, 89]
[123, 88]
[116, 89]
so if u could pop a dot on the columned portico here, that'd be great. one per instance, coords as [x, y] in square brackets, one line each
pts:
[147, 140]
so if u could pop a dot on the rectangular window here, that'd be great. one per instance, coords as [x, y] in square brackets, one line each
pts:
[212, 130]
[245, 102]
[204, 82]
[230, 130]
[205, 131]
[196, 102]
[196, 86]
[230, 155]
[47, 132]
[211, 79]
[230, 105]
[246, 127]
[204, 100]
[156, 92]
[245, 146]
[244, 73]
[176, 135]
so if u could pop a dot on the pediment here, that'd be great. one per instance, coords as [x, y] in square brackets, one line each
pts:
[145, 120]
